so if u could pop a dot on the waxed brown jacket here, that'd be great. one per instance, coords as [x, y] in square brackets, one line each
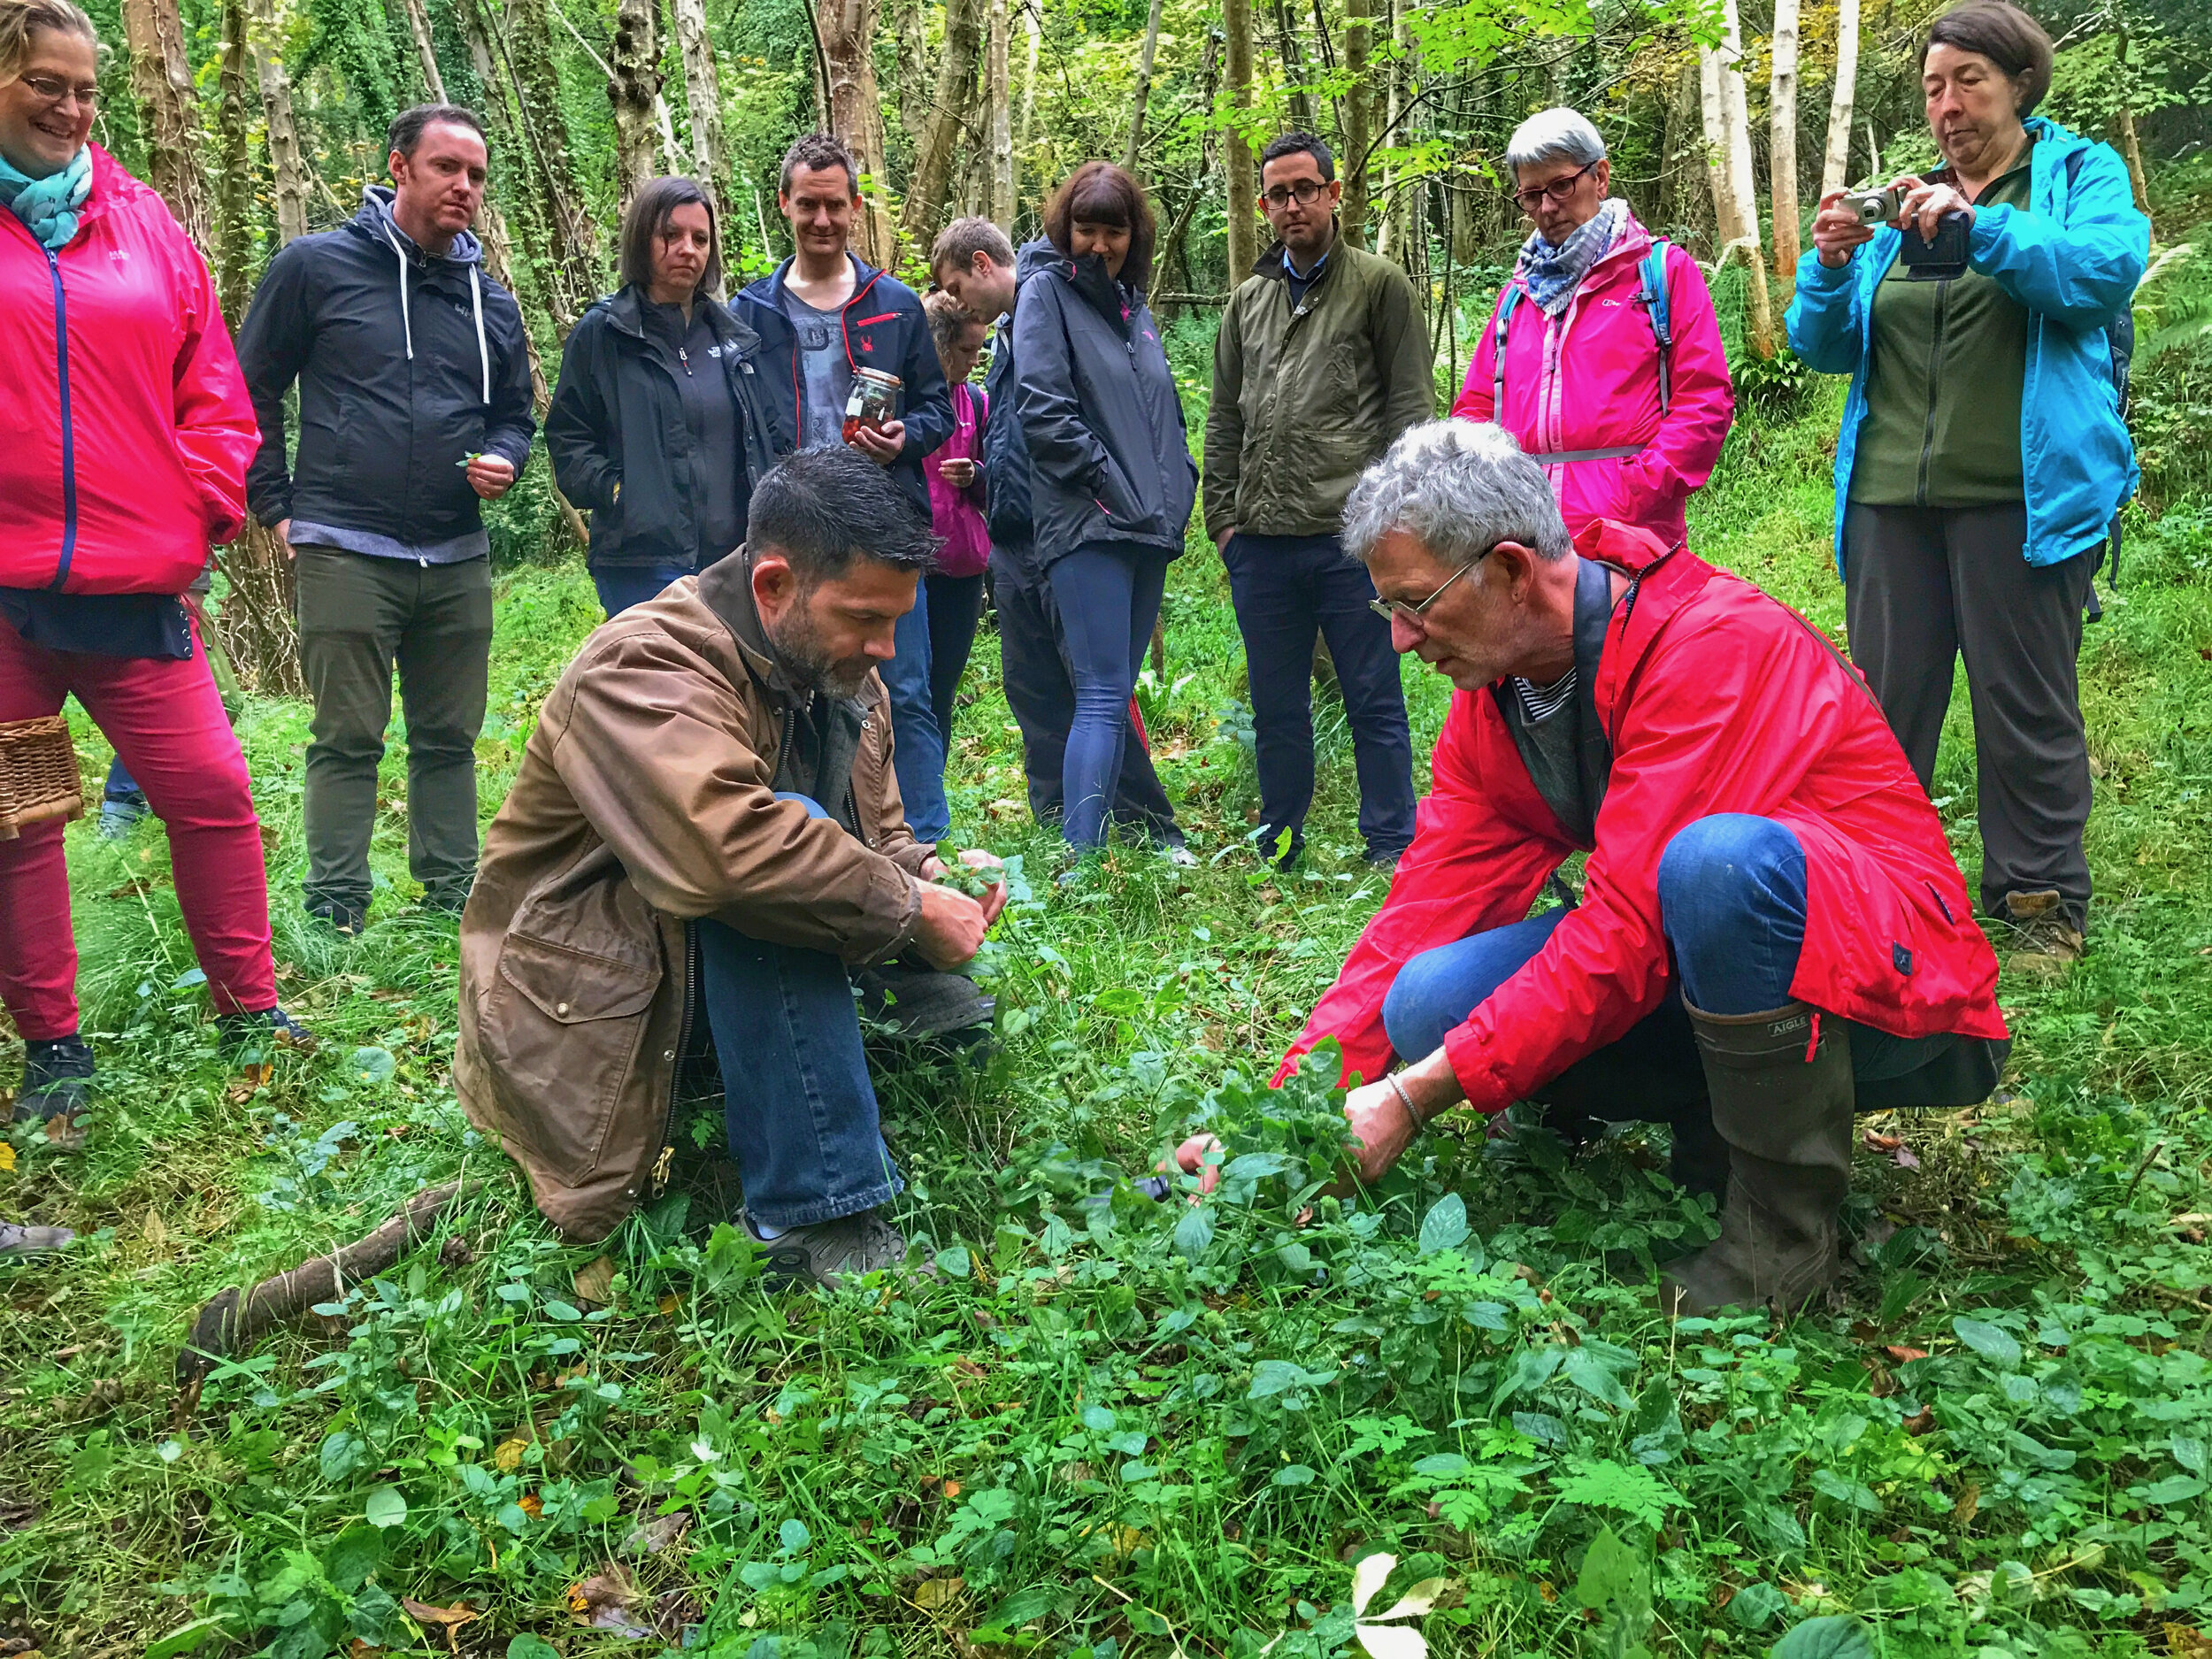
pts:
[645, 800]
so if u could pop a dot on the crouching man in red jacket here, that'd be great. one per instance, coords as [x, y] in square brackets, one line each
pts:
[1772, 928]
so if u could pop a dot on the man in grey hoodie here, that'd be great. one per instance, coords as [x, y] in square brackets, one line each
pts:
[415, 408]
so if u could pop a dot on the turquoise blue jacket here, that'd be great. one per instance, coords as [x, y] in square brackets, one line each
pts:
[2073, 259]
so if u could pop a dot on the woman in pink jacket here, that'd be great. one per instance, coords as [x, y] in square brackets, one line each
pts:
[129, 433]
[956, 511]
[1611, 373]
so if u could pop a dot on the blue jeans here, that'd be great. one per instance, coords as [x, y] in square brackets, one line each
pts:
[1287, 589]
[1108, 597]
[917, 749]
[121, 787]
[1732, 899]
[622, 586]
[956, 605]
[798, 1103]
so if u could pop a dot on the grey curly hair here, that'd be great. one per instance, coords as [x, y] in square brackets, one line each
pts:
[1459, 487]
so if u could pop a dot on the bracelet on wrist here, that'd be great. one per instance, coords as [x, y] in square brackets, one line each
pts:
[1405, 1100]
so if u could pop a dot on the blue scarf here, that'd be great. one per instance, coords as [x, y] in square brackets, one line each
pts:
[49, 207]
[1553, 274]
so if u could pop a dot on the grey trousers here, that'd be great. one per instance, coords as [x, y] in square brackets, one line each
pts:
[1923, 585]
[359, 619]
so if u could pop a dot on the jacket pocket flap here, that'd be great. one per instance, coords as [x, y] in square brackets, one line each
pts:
[572, 987]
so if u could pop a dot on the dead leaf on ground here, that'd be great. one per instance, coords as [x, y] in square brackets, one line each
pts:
[932, 1593]
[1963, 1511]
[508, 1456]
[358, 1649]
[531, 1504]
[652, 1536]
[1905, 1158]
[1901, 1354]
[446, 1621]
[1921, 1422]
[595, 1280]
[2185, 1641]
[7, 1156]
[1883, 1143]
[603, 1602]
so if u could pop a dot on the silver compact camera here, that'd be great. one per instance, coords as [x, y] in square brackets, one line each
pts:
[1876, 207]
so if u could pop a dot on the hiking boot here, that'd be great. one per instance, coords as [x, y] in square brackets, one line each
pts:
[449, 898]
[17, 1240]
[343, 917]
[1179, 855]
[258, 1035]
[1782, 1098]
[57, 1078]
[1386, 859]
[2044, 941]
[827, 1253]
[921, 1001]
[120, 815]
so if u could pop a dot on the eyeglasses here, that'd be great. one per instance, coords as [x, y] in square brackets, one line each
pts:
[1305, 192]
[56, 91]
[1386, 609]
[1558, 190]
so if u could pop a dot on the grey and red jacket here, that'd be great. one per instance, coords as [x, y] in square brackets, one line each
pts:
[884, 328]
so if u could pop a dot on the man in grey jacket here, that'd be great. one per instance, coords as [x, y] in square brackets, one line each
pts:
[414, 377]
[1321, 362]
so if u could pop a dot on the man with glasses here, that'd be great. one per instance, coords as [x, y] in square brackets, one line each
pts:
[1772, 932]
[1603, 358]
[1321, 360]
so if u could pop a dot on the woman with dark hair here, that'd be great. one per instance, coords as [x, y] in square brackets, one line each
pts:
[657, 427]
[1971, 514]
[130, 433]
[1111, 475]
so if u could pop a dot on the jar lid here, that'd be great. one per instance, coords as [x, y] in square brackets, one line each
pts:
[878, 376]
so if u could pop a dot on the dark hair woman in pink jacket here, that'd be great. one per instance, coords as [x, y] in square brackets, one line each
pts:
[129, 433]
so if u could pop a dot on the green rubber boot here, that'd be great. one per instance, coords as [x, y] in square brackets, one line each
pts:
[1782, 1098]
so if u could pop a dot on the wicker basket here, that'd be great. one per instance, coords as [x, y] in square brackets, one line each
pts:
[38, 774]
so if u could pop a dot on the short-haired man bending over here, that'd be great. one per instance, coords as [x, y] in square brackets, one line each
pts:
[1772, 929]
[706, 833]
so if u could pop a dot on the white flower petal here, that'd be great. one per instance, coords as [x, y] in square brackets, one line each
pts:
[1391, 1641]
[1417, 1600]
[1368, 1578]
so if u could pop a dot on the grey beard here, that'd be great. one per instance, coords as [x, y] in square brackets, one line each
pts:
[804, 659]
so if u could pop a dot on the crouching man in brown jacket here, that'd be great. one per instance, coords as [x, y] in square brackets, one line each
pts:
[707, 828]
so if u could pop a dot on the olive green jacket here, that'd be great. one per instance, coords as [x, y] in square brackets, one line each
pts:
[1306, 399]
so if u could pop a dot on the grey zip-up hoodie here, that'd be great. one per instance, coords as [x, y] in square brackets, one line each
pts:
[407, 366]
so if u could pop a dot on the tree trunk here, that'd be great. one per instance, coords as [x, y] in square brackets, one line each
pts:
[703, 97]
[1727, 220]
[1002, 119]
[1671, 206]
[286, 163]
[1782, 140]
[1032, 24]
[926, 192]
[1296, 99]
[169, 111]
[569, 274]
[847, 32]
[633, 89]
[1742, 182]
[1835, 163]
[1145, 55]
[2123, 129]
[425, 51]
[234, 170]
[1358, 123]
[1394, 235]
[1236, 39]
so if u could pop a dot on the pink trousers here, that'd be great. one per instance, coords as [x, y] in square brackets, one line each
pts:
[166, 720]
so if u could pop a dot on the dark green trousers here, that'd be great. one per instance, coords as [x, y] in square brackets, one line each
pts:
[361, 618]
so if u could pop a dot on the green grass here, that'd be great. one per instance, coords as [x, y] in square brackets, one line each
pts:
[1122, 1427]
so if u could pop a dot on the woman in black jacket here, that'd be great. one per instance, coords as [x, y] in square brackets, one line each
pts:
[1111, 476]
[657, 425]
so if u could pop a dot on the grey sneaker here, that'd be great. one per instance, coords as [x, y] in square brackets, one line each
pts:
[829, 1252]
[17, 1240]
[120, 815]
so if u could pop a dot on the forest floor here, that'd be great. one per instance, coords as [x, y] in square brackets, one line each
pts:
[1120, 1426]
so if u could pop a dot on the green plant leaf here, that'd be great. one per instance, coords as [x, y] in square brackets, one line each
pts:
[385, 1507]
[2175, 1489]
[1587, 1372]
[1992, 1343]
[1757, 1605]
[528, 1646]
[371, 1065]
[1836, 1636]
[1294, 1475]
[1195, 1231]
[1445, 1226]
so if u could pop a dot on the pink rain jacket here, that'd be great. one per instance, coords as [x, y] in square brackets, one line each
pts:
[957, 515]
[1717, 699]
[128, 428]
[1588, 379]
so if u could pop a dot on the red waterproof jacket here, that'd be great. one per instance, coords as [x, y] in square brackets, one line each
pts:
[1717, 699]
[128, 428]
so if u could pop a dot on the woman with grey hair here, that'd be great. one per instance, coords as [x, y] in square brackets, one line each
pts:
[1603, 358]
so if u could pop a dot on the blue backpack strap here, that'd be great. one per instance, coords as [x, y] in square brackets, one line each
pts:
[1497, 362]
[1659, 311]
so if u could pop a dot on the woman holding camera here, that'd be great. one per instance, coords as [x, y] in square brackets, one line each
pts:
[1983, 454]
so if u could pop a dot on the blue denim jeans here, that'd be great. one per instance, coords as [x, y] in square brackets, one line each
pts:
[1732, 899]
[1108, 597]
[798, 1103]
[622, 586]
[917, 750]
[1287, 589]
